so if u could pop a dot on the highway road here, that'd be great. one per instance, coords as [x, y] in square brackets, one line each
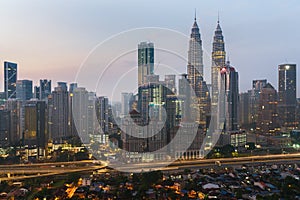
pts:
[26, 171]
[63, 171]
[207, 163]
[18, 172]
[48, 164]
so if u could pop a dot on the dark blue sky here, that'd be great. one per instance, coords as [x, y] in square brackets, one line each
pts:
[50, 39]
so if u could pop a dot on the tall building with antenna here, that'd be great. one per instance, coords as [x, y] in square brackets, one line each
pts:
[218, 62]
[201, 105]
[195, 56]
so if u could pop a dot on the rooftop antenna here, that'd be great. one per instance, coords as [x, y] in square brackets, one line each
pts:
[218, 17]
[195, 15]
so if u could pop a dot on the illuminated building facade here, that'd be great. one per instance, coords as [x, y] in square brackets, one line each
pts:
[287, 95]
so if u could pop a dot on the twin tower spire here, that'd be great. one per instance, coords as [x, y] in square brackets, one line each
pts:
[195, 51]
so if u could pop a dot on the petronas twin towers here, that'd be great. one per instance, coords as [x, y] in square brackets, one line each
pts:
[195, 58]
[207, 99]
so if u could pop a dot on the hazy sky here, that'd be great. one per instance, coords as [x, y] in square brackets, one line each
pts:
[51, 39]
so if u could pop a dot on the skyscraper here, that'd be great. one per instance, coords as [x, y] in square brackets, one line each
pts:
[229, 90]
[23, 93]
[200, 106]
[10, 79]
[287, 94]
[146, 118]
[35, 133]
[218, 62]
[92, 118]
[59, 104]
[71, 123]
[80, 112]
[267, 120]
[152, 98]
[24, 90]
[149, 119]
[228, 102]
[4, 128]
[102, 113]
[195, 57]
[145, 61]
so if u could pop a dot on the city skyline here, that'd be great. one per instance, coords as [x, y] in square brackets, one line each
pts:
[149, 100]
[58, 54]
